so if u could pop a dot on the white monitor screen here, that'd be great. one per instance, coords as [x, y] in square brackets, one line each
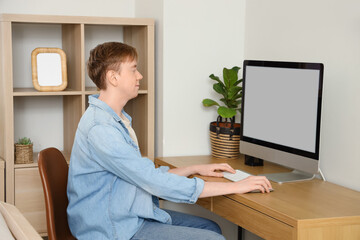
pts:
[280, 106]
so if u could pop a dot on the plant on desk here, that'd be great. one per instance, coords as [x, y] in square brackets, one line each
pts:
[225, 135]
[24, 151]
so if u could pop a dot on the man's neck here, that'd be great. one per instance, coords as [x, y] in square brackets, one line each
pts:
[113, 100]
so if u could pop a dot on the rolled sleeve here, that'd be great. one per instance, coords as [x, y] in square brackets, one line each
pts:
[164, 169]
[199, 186]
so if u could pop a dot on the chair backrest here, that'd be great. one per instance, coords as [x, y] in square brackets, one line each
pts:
[53, 170]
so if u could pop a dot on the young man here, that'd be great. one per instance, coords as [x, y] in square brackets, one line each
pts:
[113, 191]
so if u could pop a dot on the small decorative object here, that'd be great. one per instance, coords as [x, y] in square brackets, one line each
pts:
[224, 135]
[24, 151]
[49, 69]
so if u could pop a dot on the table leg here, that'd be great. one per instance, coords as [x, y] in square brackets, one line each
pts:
[240, 231]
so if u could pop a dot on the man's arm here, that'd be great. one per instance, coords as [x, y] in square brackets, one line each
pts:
[222, 188]
[248, 184]
[203, 170]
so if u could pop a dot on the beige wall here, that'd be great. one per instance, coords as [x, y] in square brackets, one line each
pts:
[326, 31]
[193, 40]
[113, 8]
[200, 38]
[155, 9]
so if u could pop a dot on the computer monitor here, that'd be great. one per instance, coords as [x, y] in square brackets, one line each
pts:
[281, 113]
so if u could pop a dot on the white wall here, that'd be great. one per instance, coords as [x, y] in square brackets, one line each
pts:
[155, 9]
[200, 37]
[326, 31]
[118, 8]
[193, 40]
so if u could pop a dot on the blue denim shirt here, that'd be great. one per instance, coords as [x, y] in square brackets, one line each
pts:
[111, 188]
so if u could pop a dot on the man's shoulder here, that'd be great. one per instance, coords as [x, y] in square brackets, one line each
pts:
[96, 117]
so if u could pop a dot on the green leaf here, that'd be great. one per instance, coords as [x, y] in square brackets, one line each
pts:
[208, 102]
[226, 112]
[238, 82]
[223, 100]
[238, 96]
[233, 91]
[216, 78]
[219, 88]
[230, 77]
[226, 77]
[24, 141]
[236, 69]
[232, 104]
[238, 102]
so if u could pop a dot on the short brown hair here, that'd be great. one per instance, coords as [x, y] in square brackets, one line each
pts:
[108, 56]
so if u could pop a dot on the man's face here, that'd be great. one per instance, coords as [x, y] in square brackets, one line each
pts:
[129, 79]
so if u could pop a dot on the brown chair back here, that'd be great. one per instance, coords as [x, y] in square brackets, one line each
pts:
[53, 170]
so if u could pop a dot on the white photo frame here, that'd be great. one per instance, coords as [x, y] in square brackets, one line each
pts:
[49, 71]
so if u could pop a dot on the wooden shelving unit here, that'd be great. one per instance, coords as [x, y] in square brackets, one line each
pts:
[27, 112]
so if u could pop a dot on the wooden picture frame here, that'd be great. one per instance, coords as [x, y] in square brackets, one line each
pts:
[49, 71]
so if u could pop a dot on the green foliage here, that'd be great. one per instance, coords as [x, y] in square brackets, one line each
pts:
[24, 141]
[230, 91]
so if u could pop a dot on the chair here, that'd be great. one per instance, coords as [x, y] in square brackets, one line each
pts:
[13, 224]
[53, 170]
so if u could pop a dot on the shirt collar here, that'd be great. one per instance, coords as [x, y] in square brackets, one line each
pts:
[94, 100]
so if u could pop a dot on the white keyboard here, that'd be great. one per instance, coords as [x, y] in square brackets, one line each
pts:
[239, 175]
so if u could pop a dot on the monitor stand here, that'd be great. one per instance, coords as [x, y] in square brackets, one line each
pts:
[253, 161]
[294, 176]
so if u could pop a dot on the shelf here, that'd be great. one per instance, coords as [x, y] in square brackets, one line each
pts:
[93, 90]
[35, 163]
[33, 92]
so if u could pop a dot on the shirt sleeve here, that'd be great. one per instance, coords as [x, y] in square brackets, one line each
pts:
[110, 150]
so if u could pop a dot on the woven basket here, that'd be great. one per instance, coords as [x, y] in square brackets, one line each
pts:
[225, 139]
[23, 153]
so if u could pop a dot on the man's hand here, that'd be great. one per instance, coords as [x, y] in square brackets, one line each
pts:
[254, 183]
[212, 170]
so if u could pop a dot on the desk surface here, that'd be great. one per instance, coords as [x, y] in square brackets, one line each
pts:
[299, 204]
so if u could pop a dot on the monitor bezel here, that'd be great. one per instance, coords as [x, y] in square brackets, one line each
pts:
[294, 65]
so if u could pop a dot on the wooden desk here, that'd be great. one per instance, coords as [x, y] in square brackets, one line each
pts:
[313, 209]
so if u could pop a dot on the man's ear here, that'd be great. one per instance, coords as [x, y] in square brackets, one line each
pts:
[111, 77]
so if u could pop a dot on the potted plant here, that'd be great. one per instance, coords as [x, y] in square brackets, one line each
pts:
[24, 151]
[224, 132]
